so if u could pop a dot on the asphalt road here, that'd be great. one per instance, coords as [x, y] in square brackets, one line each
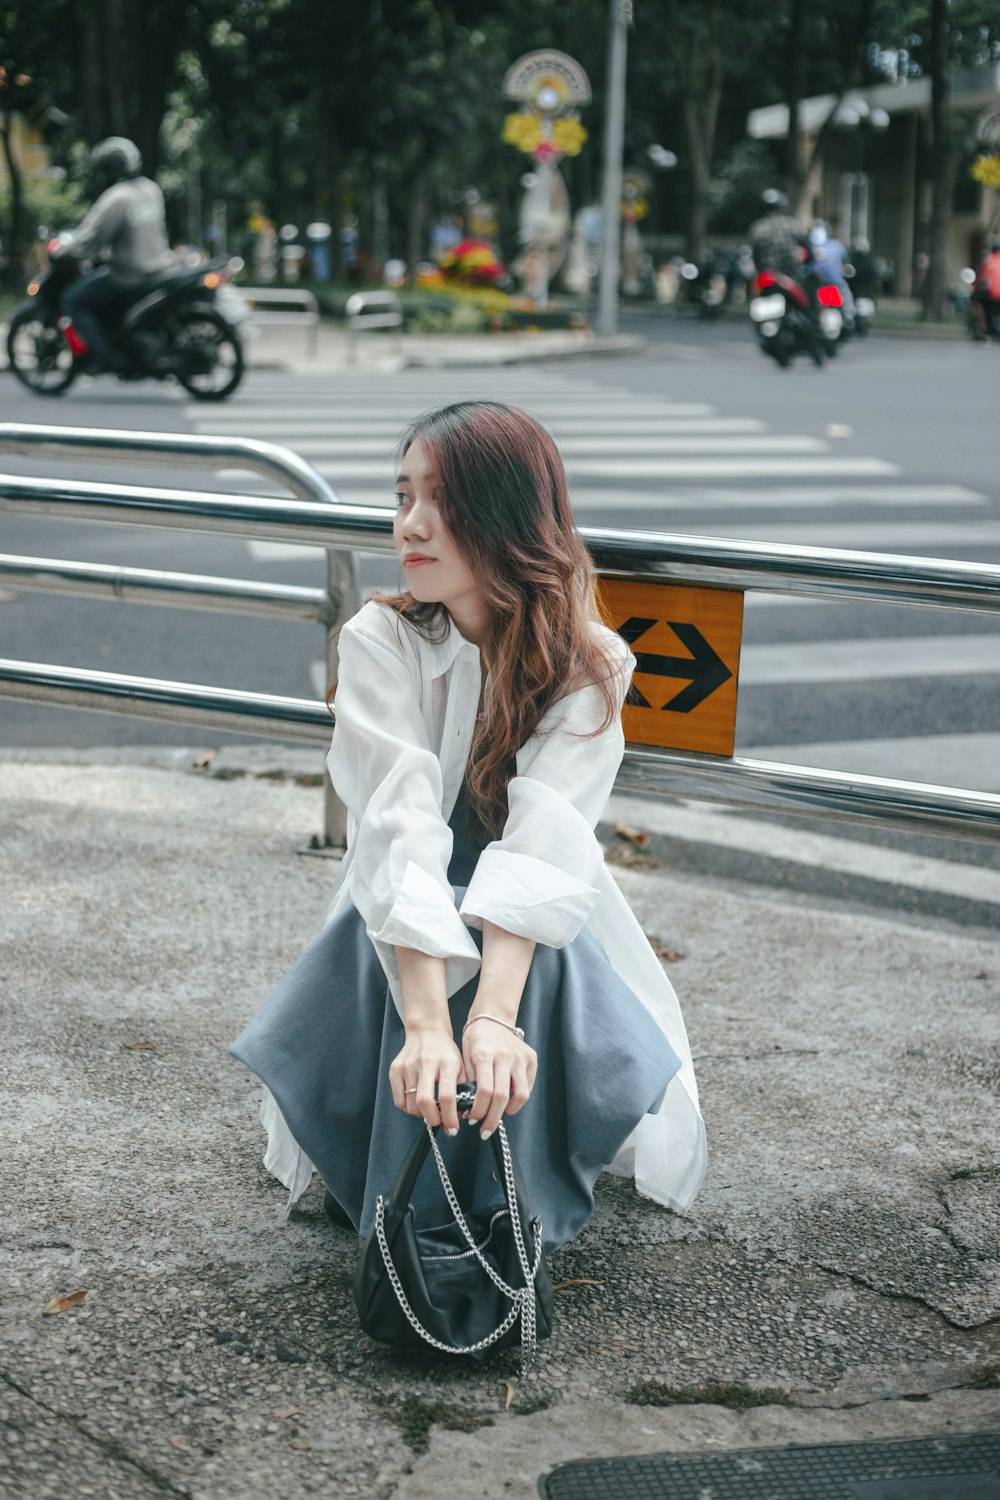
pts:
[890, 448]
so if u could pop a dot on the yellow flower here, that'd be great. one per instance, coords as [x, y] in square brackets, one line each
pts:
[523, 131]
[986, 169]
[569, 136]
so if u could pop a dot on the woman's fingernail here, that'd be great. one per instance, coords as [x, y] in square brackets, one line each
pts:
[485, 1135]
[452, 1130]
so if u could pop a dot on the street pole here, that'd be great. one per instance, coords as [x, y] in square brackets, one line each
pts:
[614, 141]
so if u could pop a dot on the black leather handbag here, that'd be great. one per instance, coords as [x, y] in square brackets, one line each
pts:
[467, 1287]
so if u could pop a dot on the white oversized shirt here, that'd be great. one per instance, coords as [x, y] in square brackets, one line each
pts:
[406, 711]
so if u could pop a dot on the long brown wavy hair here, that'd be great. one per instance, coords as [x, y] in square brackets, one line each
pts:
[504, 500]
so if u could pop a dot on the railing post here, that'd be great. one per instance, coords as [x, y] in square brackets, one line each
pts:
[342, 603]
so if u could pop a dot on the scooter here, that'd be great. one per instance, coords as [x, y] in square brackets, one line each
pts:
[784, 320]
[184, 325]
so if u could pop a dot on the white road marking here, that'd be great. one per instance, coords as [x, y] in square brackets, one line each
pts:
[781, 497]
[550, 408]
[381, 448]
[710, 825]
[673, 468]
[869, 660]
[287, 429]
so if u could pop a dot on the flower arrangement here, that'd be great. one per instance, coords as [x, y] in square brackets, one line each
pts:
[986, 169]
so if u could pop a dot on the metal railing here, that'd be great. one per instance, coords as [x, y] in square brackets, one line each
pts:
[339, 528]
[367, 312]
[181, 510]
[291, 305]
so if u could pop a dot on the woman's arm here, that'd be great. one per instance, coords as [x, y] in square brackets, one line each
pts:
[503, 1066]
[429, 1060]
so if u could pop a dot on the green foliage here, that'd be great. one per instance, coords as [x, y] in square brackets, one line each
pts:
[48, 204]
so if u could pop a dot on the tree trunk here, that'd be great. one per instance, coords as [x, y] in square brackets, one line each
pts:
[416, 218]
[701, 84]
[129, 49]
[14, 265]
[936, 286]
[794, 178]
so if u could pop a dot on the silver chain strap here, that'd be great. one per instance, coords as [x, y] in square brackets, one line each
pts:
[523, 1299]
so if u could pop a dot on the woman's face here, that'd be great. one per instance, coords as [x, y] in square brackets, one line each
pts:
[433, 567]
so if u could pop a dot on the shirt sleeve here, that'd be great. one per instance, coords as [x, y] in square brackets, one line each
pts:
[539, 879]
[97, 229]
[386, 772]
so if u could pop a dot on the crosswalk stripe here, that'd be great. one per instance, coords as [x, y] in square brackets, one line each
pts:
[971, 761]
[348, 471]
[378, 447]
[869, 660]
[781, 497]
[595, 407]
[334, 426]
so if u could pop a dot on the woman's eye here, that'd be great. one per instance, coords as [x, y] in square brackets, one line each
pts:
[401, 500]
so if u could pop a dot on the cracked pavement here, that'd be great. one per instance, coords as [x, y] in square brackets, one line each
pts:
[843, 1253]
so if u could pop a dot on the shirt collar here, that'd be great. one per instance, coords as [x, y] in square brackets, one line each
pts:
[441, 655]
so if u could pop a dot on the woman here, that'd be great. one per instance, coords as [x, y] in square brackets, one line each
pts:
[475, 932]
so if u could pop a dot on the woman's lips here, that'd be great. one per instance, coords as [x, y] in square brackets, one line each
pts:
[416, 561]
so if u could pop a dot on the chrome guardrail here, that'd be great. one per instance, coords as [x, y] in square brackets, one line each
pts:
[760, 785]
[329, 606]
[290, 305]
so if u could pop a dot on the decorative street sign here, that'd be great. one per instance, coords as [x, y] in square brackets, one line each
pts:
[686, 642]
[549, 86]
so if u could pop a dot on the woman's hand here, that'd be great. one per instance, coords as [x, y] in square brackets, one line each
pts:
[504, 1070]
[429, 1062]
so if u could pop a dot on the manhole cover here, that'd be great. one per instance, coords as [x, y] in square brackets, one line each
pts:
[962, 1466]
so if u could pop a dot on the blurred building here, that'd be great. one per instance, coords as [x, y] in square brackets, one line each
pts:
[873, 180]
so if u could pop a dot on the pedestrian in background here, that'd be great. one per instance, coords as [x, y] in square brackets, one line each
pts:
[475, 931]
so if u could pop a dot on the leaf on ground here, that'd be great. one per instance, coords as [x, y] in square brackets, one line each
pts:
[567, 1286]
[179, 1442]
[668, 954]
[634, 835]
[139, 1046]
[204, 759]
[629, 857]
[740, 1015]
[508, 1399]
[285, 1411]
[60, 1304]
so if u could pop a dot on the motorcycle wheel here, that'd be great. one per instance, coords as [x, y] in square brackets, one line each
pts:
[817, 353]
[39, 355]
[208, 340]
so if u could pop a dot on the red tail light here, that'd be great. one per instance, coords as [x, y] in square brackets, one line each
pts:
[73, 339]
[829, 296]
[764, 280]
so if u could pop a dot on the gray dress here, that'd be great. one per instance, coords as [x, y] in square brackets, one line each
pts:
[323, 1042]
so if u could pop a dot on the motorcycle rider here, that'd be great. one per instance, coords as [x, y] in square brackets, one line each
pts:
[126, 229]
[777, 240]
[985, 300]
[827, 256]
[779, 243]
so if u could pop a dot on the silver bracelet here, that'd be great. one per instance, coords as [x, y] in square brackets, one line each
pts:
[484, 1017]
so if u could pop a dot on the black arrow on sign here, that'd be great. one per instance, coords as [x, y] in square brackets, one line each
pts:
[704, 668]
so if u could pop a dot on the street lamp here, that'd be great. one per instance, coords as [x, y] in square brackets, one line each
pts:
[857, 116]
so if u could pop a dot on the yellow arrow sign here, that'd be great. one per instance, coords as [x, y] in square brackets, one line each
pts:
[686, 642]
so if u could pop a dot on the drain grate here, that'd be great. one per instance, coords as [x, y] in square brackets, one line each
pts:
[961, 1466]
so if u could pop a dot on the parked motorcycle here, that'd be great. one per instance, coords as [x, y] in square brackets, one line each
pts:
[785, 323]
[184, 324]
[704, 288]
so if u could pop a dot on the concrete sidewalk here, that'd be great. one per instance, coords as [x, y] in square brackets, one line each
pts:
[279, 347]
[838, 1278]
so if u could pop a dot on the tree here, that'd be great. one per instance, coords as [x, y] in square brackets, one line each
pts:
[35, 51]
[127, 57]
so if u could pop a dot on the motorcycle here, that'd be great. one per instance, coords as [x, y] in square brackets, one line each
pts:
[784, 320]
[704, 288]
[183, 324]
